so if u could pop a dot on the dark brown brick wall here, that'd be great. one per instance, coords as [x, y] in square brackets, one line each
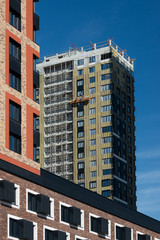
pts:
[55, 223]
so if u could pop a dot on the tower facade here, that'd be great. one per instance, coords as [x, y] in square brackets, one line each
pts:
[19, 83]
[88, 104]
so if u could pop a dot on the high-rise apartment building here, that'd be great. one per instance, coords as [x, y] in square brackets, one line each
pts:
[19, 83]
[89, 119]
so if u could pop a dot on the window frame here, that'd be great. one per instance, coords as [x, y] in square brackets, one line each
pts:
[9, 216]
[66, 223]
[45, 227]
[120, 225]
[17, 197]
[95, 233]
[51, 217]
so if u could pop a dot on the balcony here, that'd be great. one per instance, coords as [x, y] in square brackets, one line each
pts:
[14, 127]
[35, 21]
[14, 65]
[15, 5]
[36, 79]
[36, 138]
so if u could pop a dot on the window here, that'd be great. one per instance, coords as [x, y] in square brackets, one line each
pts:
[93, 132]
[80, 82]
[117, 70]
[106, 119]
[80, 72]
[92, 59]
[123, 75]
[128, 99]
[53, 233]
[92, 110]
[80, 167]
[92, 142]
[107, 150]
[128, 79]
[128, 89]
[106, 56]
[106, 108]
[107, 129]
[15, 111]
[15, 19]
[129, 139]
[80, 93]
[106, 97]
[15, 81]
[106, 76]
[15, 49]
[106, 87]
[80, 109]
[9, 194]
[92, 90]
[106, 182]
[93, 184]
[129, 119]
[107, 161]
[99, 226]
[15, 143]
[107, 140]
[39, 204]
[80, 134]
[80, 90]
[91, 69]
[80, 129]
[93, 174]
[141, 236]
[106, 66]
[19, 228]
[123, 233]
[35, 122]
[91, 79]
[107, 171]
[93, 153]
[93, 164]
[118, 91]
[80, 62]
[106, 193]
[93, 100]
[71, 215]
[93, 121]
[80, 146]
[80, 123]
[129, 129]
[35, 93]
[129, 109]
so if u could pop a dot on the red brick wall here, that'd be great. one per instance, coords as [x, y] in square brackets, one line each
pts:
[56, 224]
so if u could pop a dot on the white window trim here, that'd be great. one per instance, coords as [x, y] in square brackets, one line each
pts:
[54, 229]
[18, 218]
[83, 238]
[109, 226]
[120, 225]
[67, 205]
[51, 205]
[17, 198]
[141, 233]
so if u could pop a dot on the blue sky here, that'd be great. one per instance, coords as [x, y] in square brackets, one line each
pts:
[135, 26]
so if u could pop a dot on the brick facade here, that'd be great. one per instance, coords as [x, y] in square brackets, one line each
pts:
[6, 31]
[59, 196]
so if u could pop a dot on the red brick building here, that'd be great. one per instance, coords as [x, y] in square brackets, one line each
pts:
[35, 204]
[19, 83]
[48, 207]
